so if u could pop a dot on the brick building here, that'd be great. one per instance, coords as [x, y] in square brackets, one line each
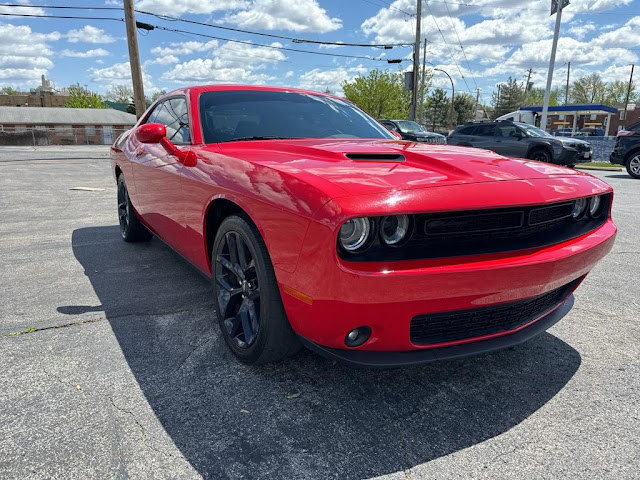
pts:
[62, 126]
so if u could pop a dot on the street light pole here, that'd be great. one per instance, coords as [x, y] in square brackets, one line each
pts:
[566, 91]
[552, 61]
[626, 100]
[416, 62]
[453, 93]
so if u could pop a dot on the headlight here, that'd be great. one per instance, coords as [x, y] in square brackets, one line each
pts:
[394, 229]
[579, 208]
[594, 206]
[355, 234]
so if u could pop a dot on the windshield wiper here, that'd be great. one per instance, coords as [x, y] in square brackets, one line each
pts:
[259, 137]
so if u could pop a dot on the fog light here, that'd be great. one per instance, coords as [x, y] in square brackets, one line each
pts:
[357, 336]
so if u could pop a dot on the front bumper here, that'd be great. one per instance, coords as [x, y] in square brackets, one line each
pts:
[326, 297]
[571, 156]
[364, 358]
[616, 158]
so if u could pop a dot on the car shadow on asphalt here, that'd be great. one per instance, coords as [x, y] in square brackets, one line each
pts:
[305, 417]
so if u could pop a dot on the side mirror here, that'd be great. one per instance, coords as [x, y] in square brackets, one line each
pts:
[151, 133]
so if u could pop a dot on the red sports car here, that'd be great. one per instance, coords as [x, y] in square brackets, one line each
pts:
[320, 227]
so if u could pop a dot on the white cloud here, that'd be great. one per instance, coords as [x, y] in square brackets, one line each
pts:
[20, 10]
[89, 34]
[184, 48]
[229, 63]
[98, 52]
[580, 30]
[293, 15]
[119, 73]
[320, 80]
[178, 7]
[24, 54]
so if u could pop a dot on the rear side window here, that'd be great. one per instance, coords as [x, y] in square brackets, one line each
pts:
[485, 130]
[467, 130]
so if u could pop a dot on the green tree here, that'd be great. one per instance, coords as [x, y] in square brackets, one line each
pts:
[535, 96]
[616, 92]
[80, 97]
[589, 89]
[509, 97]
[154, 96]
[120, 94]
[10, 91]
[380, 93]
[438, 110]
[464, 105]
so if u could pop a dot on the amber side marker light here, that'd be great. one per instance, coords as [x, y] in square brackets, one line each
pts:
[299, 295]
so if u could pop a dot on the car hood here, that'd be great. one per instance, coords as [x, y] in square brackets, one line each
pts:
[355, 167]
[568, 141]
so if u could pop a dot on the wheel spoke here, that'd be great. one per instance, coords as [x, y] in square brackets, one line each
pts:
[243, 313]
[233, 268]
[224, 283]
[233, 246]
[253, 315]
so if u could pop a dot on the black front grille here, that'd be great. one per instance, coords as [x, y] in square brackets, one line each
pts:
[451, 234]
[462, 324]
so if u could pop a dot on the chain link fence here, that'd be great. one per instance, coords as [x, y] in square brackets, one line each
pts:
[42, 136]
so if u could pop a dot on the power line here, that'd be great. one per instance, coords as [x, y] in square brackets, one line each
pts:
[445, 41]
[211, 25]
[455, 29]
[176, 30]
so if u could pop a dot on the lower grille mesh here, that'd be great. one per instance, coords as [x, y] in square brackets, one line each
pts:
[462, 324]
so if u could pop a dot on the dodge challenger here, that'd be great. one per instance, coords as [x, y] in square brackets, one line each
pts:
[319, 227]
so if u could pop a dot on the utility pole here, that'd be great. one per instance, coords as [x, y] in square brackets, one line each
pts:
[566, 90]
[559, 5]
[422, 82]
[477, 99]
[134, 58]
[416, 62]
[626, 100]
[526, 86]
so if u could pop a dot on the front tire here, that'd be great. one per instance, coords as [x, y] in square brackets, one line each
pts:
[540, 155]
[247, 300]
[633, 165]
[130, 227]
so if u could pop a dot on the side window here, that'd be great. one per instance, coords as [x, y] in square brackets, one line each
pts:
[390, 126]
[172, 113]
[507, 131]
[485, 130]
[467, 130]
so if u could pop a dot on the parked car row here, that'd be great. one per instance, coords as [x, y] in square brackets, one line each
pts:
[583, 132]
[516, 139]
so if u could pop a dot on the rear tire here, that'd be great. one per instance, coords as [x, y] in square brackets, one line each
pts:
[540, 155]
[130, 227]
[247, 300]
[633, 165]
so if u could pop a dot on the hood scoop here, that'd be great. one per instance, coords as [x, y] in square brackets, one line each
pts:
[375, 157]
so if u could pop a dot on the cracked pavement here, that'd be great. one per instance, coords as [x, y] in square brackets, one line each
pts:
[111, 366]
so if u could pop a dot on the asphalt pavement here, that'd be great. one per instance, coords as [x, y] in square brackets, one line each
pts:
[112, 366]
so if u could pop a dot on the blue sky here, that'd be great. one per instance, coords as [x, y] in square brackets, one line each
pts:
[478, 42]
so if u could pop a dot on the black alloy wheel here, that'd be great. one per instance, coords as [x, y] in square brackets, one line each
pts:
[239, 292]
[130, 227]
[540, 155]
[247, 300]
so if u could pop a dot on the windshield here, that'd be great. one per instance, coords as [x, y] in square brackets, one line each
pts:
[533, 131]
[234, 115]
[407, 126]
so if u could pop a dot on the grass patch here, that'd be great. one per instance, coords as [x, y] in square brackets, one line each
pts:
[598, 164]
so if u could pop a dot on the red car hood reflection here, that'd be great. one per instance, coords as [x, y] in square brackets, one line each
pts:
[422, 165]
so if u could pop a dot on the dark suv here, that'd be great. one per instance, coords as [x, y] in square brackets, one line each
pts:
[413, 131]
[515, 139]
[627, 149]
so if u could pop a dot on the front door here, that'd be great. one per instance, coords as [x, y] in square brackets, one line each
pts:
[157, 173]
